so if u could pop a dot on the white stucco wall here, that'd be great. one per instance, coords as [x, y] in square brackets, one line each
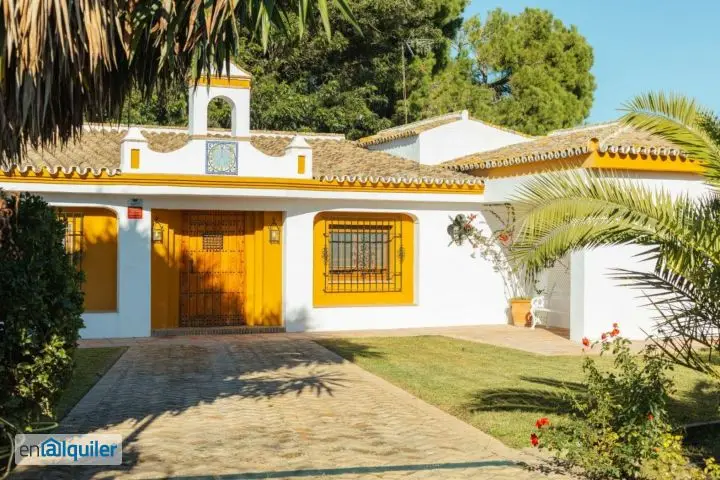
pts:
[597, 300]
[133, 305]
[461, 138]
[452, 140]
[200, 97]
[191, 158]
[606, 300]
[555, 285]
[407, 147]
[451, 288]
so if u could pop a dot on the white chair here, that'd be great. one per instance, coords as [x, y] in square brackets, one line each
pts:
[537, 306]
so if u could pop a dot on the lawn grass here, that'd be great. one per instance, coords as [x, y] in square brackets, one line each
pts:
[500, 390]
[90, 365]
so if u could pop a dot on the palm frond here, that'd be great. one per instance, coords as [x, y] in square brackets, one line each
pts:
[566, 211]
[63, 61]
[680, 120]
[687, 325]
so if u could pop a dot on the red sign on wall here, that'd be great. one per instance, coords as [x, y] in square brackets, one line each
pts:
[135, 209]
[135, 213]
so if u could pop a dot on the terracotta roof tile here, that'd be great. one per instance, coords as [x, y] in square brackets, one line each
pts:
[333, 157]
[409, 130]
[416, 128]
[165, 141]
[95, 150]
[567, 143]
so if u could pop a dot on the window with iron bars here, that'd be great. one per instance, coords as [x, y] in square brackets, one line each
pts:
[364, 255]
[74, 238]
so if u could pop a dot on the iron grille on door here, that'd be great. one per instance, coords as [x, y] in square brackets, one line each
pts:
[74, 239]
[363, 255]
[212, 277]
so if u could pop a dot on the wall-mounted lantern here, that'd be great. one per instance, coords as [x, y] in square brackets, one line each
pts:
[274, 232]
[157, 231]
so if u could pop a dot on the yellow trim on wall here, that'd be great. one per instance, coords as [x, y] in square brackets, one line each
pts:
[531, 168]
[134, 158]
[224, 181]
[595, 159]
[642, 163]
[263, 270]
[301, 164]
[225, 82]
[406, 296]
[99, 257]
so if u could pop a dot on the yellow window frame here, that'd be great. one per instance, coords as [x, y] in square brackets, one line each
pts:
[385, 274]
[95, 253]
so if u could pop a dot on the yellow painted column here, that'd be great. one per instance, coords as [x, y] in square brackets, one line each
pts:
[263, 261]
[272, 266]
[165, 270]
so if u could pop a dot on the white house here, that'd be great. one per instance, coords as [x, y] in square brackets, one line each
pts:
[439, 139]
[583, 296]
[264, 231]
[183, 228]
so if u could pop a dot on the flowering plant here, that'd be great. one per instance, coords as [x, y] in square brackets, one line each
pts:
[620, 419]
[493, 247]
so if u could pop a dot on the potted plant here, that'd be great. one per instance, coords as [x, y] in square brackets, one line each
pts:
[520, 311]
[493, 246]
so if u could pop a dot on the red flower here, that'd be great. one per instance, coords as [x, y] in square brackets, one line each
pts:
[651, 417]
[604, 336]
[586, 341]
[503, 237]
[534, 440]
[615, 332]
[615, 326]
[542, 422]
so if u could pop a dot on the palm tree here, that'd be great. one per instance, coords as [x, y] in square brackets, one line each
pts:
[62, 61]
[569, 210]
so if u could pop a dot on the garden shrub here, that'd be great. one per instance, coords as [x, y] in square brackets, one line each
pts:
[671, 462]
[40, 311]
[620, 426]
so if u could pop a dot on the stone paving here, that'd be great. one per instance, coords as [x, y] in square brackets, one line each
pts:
[272, 406]
[542, 340]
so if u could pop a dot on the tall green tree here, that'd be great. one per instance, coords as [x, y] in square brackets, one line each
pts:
[62, 62]
[529, 72]
[350, 83]
[447, 91]
[571, 211]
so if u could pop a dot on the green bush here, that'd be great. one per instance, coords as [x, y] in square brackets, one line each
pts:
[39, 313]
[620, 420]
[671, 462]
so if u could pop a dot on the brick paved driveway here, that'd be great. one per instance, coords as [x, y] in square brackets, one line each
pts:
[267, 406]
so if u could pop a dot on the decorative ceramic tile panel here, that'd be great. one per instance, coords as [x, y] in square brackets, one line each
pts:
[221, 158]
[213, 242]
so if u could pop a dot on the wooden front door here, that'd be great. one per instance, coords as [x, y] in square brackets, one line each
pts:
[212, 270]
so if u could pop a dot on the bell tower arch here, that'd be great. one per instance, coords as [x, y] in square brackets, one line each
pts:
[233, 87]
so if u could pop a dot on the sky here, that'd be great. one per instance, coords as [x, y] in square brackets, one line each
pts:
[639, 46]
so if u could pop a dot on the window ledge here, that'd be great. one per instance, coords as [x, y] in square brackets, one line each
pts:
[366, 305]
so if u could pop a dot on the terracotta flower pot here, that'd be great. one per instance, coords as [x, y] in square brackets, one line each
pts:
[520, 310]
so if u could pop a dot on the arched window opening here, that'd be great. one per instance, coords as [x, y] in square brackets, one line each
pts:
[220, 113]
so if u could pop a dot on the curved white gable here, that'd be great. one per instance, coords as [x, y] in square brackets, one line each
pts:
[217, 155]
